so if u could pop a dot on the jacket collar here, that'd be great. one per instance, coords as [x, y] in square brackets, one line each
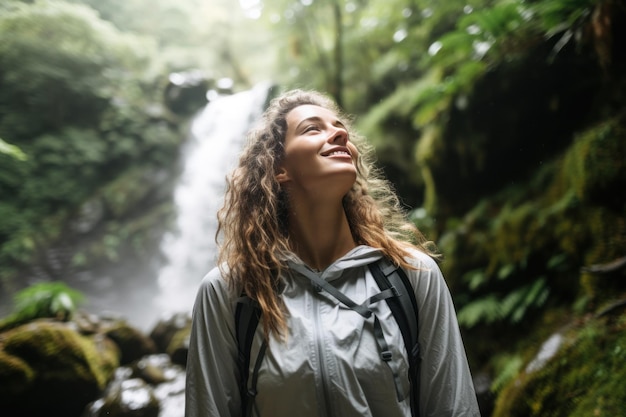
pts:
[359, 256]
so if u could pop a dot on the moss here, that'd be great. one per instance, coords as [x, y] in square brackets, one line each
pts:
[131, 342]
[68, 370]
[596, 162]
[178, 346]
[570, 215]
[585, 378]
[573, 211]
[15, 376]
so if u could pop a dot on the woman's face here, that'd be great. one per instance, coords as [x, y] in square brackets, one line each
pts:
[317, 151]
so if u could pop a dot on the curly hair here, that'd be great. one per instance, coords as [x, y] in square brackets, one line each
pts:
[253, 219]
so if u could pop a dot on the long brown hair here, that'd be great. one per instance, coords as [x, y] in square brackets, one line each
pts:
[253, 218]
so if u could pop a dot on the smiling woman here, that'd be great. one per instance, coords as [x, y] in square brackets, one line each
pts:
[317, 153]
[308, 228]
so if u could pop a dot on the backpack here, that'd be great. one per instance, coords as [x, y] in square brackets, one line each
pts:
[396, 290]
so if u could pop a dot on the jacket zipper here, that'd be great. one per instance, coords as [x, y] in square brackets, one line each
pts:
[319, 345]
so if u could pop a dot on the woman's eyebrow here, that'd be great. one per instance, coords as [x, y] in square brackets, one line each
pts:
[318, 119]
[307, 120]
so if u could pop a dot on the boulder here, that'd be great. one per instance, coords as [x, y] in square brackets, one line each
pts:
[133, 344]
[186, 92]
[49, 369]
[126, 398]
[152, 386]
[171, 336]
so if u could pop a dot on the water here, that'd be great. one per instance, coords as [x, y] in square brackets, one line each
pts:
[143, 292]
[218, 134]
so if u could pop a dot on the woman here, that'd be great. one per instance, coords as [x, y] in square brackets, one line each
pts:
[304, 203]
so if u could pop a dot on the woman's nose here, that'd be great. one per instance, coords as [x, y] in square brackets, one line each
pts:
[338, 135]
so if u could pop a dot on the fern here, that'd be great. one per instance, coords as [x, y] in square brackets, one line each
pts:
[46, 300]
[486, 309]
[508, 367]
[12, 150]
[511, 307]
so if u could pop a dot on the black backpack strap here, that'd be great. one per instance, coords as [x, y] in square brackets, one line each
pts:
[405, 312]
[247, 315]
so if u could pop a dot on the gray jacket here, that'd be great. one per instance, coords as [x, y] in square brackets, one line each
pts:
[330, 365]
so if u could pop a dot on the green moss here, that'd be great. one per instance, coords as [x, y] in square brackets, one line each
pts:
[67, 370]
[178, 346]
[571, 215]
[131, 342]
[53, 350]
[585, 378]
[597, 161]
[15, 376]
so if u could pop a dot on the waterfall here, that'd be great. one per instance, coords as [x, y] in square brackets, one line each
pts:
[217, 134]
[143, 291]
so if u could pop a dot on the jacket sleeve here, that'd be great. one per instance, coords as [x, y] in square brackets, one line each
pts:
[212, 388]
[446, 386]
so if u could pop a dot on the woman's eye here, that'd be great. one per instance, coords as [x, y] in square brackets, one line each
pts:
[310, 128]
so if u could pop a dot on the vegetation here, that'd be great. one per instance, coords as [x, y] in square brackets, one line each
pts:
[501, 123]
[589, 375]
[44, 300]
[80, 104]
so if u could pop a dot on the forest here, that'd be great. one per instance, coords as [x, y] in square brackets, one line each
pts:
[501, 124]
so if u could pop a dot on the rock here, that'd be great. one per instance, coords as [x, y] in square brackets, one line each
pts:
[186, 92]
[153, 369]
[74, 367]
[126, 398]
[151, 385]
[179, 346]
[133, 344]
[171, 336]
[47, 368]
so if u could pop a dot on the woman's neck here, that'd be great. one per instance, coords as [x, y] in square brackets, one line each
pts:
[320, 233]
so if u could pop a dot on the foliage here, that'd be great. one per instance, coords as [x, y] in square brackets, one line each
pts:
[558, 221]
[61, 65]
[589, 370]
[500, 122]
[82, 101]
[12, 150]
[44, 300]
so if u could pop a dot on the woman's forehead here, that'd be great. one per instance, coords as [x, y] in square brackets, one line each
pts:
[309, 111]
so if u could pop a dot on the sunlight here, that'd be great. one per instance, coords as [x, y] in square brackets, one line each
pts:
[251, 8]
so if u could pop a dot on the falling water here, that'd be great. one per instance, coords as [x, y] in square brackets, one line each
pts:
[143, 291]
[217, 135]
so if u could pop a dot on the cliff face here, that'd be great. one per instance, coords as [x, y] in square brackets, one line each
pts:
[526, 179]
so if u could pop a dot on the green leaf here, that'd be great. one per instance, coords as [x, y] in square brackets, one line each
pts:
[12, 150]
[486, 310]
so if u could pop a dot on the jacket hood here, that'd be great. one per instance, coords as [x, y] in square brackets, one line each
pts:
[357, 257]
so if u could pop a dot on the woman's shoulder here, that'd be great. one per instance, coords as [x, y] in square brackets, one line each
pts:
[420, 260]
[425, 274]
[216, 282]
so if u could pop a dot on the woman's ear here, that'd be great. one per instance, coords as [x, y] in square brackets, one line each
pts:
[282, 176]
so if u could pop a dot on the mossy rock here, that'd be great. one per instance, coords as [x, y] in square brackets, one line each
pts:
[171, 335]
[569, 216]
[584, 378]
[50, 369]
[179, 346]
[133, 344]
[18, 372]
